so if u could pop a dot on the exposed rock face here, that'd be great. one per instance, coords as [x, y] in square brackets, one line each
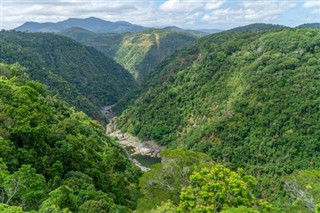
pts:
[149, 148]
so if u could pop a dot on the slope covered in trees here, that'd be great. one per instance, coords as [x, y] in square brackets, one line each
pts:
[139, 52]
[55, 159]
[249, 100]
[74, 69]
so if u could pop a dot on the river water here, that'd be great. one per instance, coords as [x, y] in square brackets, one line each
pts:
[144, 160]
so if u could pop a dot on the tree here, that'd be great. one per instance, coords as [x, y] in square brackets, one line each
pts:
[3, 175]
[303, 187]
[164, 181]
[62, 198]
[25, 188]
[216, 189]
[10, 209]
[165, 207]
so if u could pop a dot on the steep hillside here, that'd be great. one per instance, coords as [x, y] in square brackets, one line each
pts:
[249, 100]
[55, 159]
[55, 84]
[90, 73]
[137, 52]
[92, 24]
[107, 43]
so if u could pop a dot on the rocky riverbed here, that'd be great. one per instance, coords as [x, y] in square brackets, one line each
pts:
[139, 147]
[136, 146]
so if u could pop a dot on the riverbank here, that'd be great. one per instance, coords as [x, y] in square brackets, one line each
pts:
[148, 148]
[142, 153]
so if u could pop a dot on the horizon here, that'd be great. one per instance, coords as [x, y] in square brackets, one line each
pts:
[193, 15]
[160, 27]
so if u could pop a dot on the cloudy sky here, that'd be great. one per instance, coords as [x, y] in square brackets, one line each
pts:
[191, 14]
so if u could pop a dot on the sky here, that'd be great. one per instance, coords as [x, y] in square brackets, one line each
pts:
[188, 14]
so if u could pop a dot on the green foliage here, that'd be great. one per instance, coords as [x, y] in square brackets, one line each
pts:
[25, 187]
[62, 197]
[317, 209]
[303, 186]
[80, 75]
[165, 207]
[10, 209]
[242, 98]
[216, 189]
[249, 100]
[54, 157]
[138, 52]
[165, 181]
[241, 209]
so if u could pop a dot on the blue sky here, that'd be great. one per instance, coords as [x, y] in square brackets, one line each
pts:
[191, 14]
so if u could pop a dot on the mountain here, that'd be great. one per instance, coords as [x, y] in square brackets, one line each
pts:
[68, 68]
[309, 25]
[92, 24]
[138, 52]
[55, 159]
[209, 31]
[200, 32]
[250, 100]
[258, 27]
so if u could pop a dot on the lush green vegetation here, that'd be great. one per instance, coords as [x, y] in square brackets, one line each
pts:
[79, 74]
[188, 181]
[55, 159]
[243, 109]
[138, 52]
[249, 100]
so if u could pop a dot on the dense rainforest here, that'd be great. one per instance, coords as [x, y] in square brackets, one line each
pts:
[55, 159]
[248, 100]
[238, 111]
[80, 75]
[137, 52]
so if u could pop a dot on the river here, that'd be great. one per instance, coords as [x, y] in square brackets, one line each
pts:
[143, 153]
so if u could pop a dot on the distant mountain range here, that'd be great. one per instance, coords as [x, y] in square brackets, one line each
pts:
[310, 25]
[97, 25]
[92, 24]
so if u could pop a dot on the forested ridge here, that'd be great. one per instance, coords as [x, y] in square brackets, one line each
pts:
[249, 100]
[137, 52]
[80, 75]
[54, 158]
[237, 111]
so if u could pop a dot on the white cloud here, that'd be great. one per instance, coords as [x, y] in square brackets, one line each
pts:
[214, 4]
[182, 13]
[223, 15]
[180, 6]
[313, 3]
[249, 12]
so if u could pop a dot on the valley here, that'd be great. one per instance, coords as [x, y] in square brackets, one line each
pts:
[101, 116]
